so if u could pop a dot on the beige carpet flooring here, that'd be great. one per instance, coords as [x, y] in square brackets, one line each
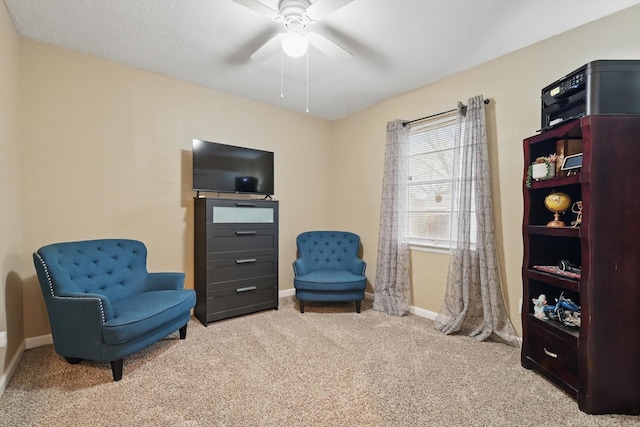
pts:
[327, 367]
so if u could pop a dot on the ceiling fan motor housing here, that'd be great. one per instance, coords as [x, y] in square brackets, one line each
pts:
[293, 12]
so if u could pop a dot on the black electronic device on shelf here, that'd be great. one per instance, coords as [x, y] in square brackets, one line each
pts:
[598, 87]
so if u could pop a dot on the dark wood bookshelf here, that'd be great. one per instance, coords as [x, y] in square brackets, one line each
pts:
[598, 363]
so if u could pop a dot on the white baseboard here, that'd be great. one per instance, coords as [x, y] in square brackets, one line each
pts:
[286, 293]
[421, 312]
[34, 342]
[8, 373]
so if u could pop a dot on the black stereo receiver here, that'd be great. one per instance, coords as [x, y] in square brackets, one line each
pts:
[599, 87]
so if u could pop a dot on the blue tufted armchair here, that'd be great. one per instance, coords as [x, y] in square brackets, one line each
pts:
[102, 303]
[328, 268]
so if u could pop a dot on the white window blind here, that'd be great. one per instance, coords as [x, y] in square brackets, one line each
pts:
[429, 188]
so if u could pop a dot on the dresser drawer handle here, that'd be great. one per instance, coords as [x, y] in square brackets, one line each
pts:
[550, 354]
[247, 205]
[245, 233]
[248, 288]
[245, 261]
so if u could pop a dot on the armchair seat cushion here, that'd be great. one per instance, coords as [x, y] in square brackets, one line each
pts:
[330, 281]
[136, 315]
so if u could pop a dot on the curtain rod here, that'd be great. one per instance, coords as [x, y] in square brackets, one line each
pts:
[486, 101]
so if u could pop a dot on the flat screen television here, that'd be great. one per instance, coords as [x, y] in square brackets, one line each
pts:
[222, 168]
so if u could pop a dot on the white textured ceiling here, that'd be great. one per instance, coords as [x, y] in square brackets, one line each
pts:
[397, 45]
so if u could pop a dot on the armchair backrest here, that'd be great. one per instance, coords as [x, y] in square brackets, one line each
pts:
[328, 250]
[114, 268]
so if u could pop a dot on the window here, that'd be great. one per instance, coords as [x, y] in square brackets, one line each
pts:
[430, 182]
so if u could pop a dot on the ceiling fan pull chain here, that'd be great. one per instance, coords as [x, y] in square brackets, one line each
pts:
[281, 74]
[307, 81]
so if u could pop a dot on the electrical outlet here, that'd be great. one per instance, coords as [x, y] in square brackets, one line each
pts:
[520, 306]
[3, 339]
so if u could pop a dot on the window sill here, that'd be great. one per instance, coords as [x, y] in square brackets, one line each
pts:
[429, 248]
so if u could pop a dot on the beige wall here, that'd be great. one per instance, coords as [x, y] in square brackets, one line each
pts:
[513, 83]
[10, 194]
[107, 153]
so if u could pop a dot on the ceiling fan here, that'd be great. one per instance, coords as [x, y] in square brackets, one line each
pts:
[296, 16]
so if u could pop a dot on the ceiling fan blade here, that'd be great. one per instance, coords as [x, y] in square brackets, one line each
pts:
[259, 7]
[267, 49]
[328, 47]
[322, 8]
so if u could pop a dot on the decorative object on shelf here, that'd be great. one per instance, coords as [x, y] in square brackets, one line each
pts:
[560, 153]
[538, 306]
[544, 167]
[564, 148]
[565, 311]
[572, 318]
[554, 269]
[565, 265]
[576, 208]
[557, 202]
[572, 164]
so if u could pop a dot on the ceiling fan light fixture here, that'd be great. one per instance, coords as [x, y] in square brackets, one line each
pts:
[295, 43]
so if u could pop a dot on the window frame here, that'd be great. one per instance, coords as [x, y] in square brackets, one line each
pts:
[432, 124]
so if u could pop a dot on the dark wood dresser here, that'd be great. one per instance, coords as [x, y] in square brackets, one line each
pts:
[235, 257]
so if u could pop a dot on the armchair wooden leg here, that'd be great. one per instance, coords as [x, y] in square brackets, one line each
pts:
[116, 369]
[358, 305]
[183, 332]
[301, 306]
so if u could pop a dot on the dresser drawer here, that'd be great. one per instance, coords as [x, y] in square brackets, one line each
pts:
[234, 301]
[242, 243]
[230, 214]
[555, 353]
[224, 271]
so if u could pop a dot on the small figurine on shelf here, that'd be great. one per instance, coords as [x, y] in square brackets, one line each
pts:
[572, 318]
[538, 306]
[577, 209]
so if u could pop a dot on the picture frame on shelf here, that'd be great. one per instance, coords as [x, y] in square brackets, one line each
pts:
[572, 164]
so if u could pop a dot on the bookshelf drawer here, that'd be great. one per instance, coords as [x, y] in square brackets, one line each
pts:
[557, 354]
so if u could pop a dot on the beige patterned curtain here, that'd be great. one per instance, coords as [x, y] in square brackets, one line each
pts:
[474, 303]
[392, 290]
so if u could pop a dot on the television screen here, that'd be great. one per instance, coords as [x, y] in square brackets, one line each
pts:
[225, 168]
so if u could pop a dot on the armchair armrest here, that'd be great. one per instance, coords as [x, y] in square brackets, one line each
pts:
[300, 267]
[163, 281]
[358, 266]
[77, 321]
[83, 305]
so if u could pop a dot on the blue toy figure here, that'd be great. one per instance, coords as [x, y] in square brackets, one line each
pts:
[565, 311]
